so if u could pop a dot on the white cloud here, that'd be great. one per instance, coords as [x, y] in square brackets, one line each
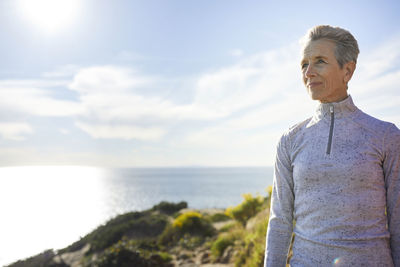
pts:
[380, 60]
[375, 84]
[14, 131]
[115, 93]
[32, 83]
[126, 132]
[62, 72]
[285, 110]
[124, 98]
[129, 56]
[110, 94]
[228, 146]
[107, 79]
[384, 84]
[23, 97]
[252, 81]
[64, 131]
[236, 52]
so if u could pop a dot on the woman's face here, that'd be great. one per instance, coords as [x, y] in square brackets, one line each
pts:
[322, 75]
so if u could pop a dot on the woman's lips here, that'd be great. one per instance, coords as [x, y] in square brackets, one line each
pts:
[314, 84]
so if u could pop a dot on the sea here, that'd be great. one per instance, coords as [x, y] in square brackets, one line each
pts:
[50, 207]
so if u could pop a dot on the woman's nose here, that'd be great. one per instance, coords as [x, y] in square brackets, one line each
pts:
[309, 72]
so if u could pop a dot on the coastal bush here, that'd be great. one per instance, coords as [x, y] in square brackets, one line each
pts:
[227, 227]
[166, 257]
[120, 258]
[190, 242]
[43, 259]
[104, 231]
[127, 258]
[191, 223]
[252, 252]
[246, 238]
[222, 242]
[132, 224]
[143, 227]
[131, 253]
[187, 220]
[269, 191]
[219, 217]
[225, 239]
[247, 209]
[169, 207]
[143, 244]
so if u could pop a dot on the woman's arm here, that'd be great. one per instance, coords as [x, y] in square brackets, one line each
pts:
[280, 226]
[391, 168]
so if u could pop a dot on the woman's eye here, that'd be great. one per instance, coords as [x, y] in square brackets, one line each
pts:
[320, 61]
[304, 66]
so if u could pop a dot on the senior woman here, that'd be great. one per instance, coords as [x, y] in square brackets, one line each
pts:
[337, 174]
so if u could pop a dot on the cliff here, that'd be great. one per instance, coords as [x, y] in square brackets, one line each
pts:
[170, 234]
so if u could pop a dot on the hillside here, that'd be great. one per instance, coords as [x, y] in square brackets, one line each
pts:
[170, 234]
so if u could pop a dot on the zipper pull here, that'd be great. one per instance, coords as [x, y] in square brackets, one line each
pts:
[328, 148]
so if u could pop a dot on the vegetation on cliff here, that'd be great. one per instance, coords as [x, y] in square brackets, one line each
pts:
[170, 234]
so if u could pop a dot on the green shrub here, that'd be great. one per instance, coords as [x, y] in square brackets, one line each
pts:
[169, 207]
[253, 250]
[121, 258]
[168, 236]
[129, 253]
[269, 191]
[142, 244]
[132, 224]
[113, 231]
[226, 239]
[165, 256]
[222, 242]
[191, 223]
[43, 259]
[247, 209]
[219, 217]
[187, 219]
[228, 227]
[190, 242]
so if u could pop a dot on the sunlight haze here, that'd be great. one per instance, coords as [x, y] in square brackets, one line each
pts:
[49, 15]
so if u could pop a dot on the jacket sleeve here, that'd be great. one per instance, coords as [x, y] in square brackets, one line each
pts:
[391, 168]
[280, 225]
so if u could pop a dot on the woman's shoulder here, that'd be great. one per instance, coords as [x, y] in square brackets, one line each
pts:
[294, 130]
[378, 126]
[298, 127]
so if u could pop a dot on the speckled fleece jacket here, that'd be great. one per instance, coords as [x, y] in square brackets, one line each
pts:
[337, 175]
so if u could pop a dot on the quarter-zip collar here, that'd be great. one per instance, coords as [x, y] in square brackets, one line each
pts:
[342, 109]
[329, 112]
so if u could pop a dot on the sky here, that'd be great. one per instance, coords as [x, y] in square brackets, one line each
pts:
[174, 82]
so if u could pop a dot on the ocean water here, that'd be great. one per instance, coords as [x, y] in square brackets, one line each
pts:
[51, 207]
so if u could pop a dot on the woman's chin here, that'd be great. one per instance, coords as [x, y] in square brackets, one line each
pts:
[314, 96]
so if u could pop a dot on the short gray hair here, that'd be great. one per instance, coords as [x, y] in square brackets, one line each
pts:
[346, 45]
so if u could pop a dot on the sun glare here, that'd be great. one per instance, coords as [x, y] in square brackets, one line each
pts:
[45, 207]
[50, 15]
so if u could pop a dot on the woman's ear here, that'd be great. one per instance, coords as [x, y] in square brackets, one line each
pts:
[349, 69]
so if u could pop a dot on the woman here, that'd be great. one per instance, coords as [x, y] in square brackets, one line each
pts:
[337, 174]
